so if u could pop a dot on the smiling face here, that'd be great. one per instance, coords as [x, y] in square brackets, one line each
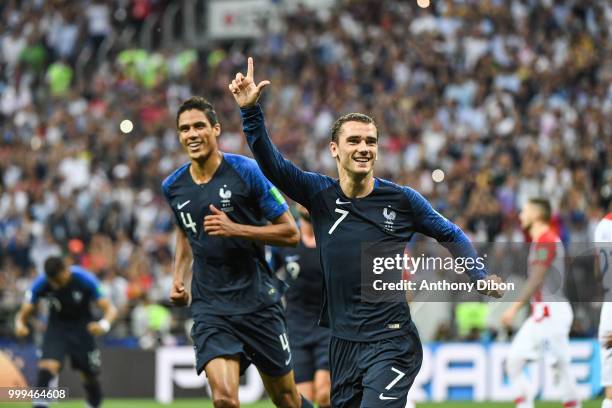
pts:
[356, 148]
[197, 135]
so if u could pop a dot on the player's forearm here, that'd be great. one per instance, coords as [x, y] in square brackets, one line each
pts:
[183, 258]
[272, 234]
[536, 278]
[24, 313]
[280, 171]
[110, 313]
[182, 267]
[21, 319]
[449, 235]
[461, 247]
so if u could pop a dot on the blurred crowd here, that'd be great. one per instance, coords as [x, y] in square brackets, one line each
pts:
[509, 98]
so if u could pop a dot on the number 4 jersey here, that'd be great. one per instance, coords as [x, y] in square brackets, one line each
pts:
[230, 275]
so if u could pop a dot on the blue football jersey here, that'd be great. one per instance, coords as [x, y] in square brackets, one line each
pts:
[304, 296]
[389, 214]
[230, 275]
[72, 302]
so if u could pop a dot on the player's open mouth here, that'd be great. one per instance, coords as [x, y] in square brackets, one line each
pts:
[193, 146]
[361, 159]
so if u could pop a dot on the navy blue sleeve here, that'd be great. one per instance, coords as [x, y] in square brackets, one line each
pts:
[166, 190]
[299, 185]
[91, 283]
[37, 290]
[269, 199]
[429, 222]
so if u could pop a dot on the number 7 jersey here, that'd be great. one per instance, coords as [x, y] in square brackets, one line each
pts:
[230, 275]
[389, 214]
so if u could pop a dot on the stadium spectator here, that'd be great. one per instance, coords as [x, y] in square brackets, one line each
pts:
[510, 94]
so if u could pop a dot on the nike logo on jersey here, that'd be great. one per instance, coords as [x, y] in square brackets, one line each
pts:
[382, 397]
[288, 360]
[179, 206]
[342, 202]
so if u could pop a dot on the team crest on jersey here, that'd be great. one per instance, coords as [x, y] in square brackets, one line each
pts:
[389, 215]
[225, 194]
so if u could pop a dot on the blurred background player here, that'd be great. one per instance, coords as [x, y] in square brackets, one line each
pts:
[226, 210]
[309, 341]
[603, 242]
[547, 328]
[375, 350]
[71, 329]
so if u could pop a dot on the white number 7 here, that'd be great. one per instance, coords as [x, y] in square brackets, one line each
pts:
[343, 215]
[400, 375]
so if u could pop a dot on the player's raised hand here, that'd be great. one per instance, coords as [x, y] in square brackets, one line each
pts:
[219, 224]
[178, 294]
[246, 92]
[21, 330]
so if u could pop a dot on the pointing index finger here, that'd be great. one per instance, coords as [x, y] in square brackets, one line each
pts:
[250, 68]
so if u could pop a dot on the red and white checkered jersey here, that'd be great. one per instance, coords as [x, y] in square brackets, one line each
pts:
[547, 250]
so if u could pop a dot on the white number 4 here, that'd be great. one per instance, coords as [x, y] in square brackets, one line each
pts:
[343, 214]
[188, 222]
[284, 342]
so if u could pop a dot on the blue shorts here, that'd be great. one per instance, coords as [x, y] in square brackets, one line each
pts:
[310, 355]
[74, 340]
[259, 338]
[374, 374]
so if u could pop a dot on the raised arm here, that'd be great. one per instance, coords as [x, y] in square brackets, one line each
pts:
[299, 185]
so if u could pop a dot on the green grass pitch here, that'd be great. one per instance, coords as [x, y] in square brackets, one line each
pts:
[197, 403]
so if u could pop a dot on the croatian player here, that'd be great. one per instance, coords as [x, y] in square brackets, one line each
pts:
[226, 210]
[547, 328]
[71, 329]
[375, 351]
[603, 241]
[309, 341]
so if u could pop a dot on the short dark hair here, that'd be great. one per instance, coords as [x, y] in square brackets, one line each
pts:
[201, 104]
[54, 265]
[350, 117]
[544, 206]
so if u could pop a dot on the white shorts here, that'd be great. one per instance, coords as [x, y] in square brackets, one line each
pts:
[547, 336]
[605, 326]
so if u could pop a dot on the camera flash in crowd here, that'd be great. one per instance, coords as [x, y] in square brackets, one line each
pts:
[437, 175]
[126, 126]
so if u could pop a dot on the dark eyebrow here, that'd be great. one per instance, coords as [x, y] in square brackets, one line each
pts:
[195, 124]
[368, 138]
